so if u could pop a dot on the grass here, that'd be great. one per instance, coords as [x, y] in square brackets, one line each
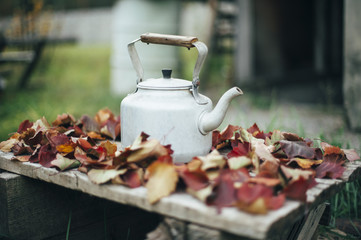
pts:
[75, 80]
[68, 79]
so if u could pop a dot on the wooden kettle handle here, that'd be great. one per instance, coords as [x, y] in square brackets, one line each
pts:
[175, 40]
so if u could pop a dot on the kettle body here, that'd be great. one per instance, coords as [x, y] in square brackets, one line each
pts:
[169, 109]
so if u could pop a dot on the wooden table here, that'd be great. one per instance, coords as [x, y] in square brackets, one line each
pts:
[182, 207]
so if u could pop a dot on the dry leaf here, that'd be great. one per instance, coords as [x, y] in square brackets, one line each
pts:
[162, 181]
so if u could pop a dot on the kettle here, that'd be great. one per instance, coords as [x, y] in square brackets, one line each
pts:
[170, 109]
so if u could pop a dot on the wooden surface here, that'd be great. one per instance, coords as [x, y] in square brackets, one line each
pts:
[182, 206]
[32, 209]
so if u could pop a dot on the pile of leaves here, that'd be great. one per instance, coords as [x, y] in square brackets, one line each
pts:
[247, 168]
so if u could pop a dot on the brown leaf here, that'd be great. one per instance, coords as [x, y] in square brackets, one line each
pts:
[7, 145]
[100, 176]
[297, 149]
[22, 158]
[147, 149]
[162, 181]
[306, 163]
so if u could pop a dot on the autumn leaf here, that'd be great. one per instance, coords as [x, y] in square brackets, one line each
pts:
[241, 149]
[63, 163]
[297, 149]
[330, 169]
[194, 180]
[103, 115]
[162, 181]
[306, 163]
[147, 149]
[100, 176]
[21, 158]
[46, 155]
[213, 160]
[64, 120]
[24, 125]
[110, 148]
[257, 133]
[89, 124]
[297, 189]
[351, 154]
[7, 145]
[293, 174]
[239, 162]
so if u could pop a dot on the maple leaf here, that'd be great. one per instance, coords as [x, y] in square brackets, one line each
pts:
[24, 125]
[306, 163]
[239, 162]
[64, 120]
[21, 149]
[351, 154]
[223, 193]
[41, 125]
[195, 180]
[7, 145]
[22, 158]
[228, 132]
[213, 160]
[110, 148]
[104, 115]
[257, 133]
[63, 163]
[258, 198]
[330, 169]
[89, 124]
[293, 175]
[297, 189]
[216, 135]
[163, 179]
[100, 176]
[146, 149]
[46, 155]
[241, 149]
[297, 149]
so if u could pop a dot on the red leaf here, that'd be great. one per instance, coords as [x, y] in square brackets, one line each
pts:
[329, 169]
[24, 125]
[215, 138]
[248, 193]
[46, 155]
[228, 132]
[254, 130]
[195, 180]
[242, 149]
[275, 202]
[297, 189]
[132, 179]
[224, 192]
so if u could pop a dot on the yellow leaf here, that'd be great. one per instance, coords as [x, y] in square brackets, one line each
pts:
[162, 181]
[6, 146]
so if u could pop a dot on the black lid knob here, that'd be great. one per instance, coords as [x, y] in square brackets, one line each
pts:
[167, 73]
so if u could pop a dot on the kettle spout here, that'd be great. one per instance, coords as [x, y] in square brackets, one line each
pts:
[211, 120]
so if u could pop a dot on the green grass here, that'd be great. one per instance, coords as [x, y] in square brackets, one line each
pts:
[68, 79]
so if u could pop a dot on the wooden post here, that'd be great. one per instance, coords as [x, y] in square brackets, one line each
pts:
[352, 62]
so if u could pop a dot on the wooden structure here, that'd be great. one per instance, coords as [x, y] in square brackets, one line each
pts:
[188, 217]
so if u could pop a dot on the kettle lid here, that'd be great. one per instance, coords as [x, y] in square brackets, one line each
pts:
[165, 83]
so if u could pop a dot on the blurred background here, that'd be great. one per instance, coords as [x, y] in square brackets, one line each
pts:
[297, 62]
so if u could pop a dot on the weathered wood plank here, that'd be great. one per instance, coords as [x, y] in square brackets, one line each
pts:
[33, 209]
[183, 206]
